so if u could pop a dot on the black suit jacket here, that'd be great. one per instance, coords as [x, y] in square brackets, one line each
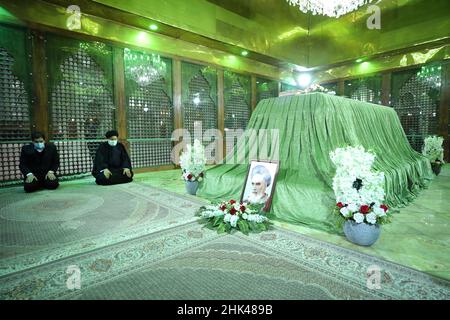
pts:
[103, 157]
[36, 163]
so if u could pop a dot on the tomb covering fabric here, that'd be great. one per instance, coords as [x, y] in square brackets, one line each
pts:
[309, 127]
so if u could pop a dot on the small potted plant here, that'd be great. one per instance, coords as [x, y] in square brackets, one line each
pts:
[359, 192]
[433, 150]
[192, 163]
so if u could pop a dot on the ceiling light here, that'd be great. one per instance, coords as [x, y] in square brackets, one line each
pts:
[304, 80]
[331, 8]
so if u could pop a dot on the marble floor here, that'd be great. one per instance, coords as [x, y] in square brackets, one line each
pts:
[418, 237]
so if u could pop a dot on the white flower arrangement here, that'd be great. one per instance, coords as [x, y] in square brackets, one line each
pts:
[358, 189]
[318, 88]
[230, 215]
[193, 162]
[432, 148]
[353, 164]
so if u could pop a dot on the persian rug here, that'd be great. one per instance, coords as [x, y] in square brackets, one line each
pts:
[135, 241]
[45, 226]
[190, 262]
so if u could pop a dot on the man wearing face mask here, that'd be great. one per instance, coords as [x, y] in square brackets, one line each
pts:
[112, 164]
[39, 162]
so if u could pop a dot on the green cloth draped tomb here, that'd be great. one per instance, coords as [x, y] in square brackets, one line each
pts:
[310, 126]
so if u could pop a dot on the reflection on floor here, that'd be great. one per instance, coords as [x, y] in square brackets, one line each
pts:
[418, 237]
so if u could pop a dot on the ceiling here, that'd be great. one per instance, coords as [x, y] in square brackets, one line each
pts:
[276, 30]
[280, 38]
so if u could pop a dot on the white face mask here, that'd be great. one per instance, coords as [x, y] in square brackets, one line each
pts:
[112, 143]
[39, 146]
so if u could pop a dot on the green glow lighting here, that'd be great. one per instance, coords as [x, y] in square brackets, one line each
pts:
[153, 27]
[244, 53]
[359, 60]
[365, 67]
[430, 74]
[143, 38]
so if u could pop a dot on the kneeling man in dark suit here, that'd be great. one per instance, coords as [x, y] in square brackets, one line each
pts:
[112, 164]
[39, 162]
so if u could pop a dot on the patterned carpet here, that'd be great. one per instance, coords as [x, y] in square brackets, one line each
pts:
[135, 242]
[49, 225]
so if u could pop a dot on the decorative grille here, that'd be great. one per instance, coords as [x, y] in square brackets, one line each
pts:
[15, 116]
[10, 154]
[365, 89]
[237, 107]
[149, 108]
[150, 152]
[199, 109]
[266, 89]
[417, 103]
[82, 107]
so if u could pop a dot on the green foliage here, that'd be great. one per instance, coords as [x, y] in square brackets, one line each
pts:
[221, 228]
[243, 226]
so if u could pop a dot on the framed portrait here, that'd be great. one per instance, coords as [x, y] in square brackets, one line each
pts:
[260, 183]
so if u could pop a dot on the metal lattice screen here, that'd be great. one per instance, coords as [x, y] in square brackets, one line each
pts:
[364, 89]
[200, 112]
[81, 100]
[15, 115]
[149, 108]
[416, 101]
[237, 104]
[266, 89]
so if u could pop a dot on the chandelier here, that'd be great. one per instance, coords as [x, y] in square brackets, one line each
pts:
[331, 8]
[143, 68]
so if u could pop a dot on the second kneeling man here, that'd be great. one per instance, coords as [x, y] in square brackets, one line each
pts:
[112, 164]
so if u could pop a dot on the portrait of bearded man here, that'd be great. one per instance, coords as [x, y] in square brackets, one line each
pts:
[261, 180]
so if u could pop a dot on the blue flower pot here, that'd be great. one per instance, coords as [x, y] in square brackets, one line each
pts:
[191, 187]
[362, 234]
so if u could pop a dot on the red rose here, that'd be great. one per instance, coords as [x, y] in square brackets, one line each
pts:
[223, 207]
[384, 207]
[340, 204]
[243, 208]
[233, 211]
[189, 176]
[232, 202]
[364, 209]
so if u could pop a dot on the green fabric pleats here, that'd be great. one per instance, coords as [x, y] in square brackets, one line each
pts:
[310, 126]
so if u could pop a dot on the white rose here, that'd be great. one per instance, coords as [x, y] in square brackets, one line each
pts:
[371, 218]
[358, 217]
[352, 207]
[218, 213]
[244, 216]
[227, 217]
[233, 220]
[345, 212]
[379, 212]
